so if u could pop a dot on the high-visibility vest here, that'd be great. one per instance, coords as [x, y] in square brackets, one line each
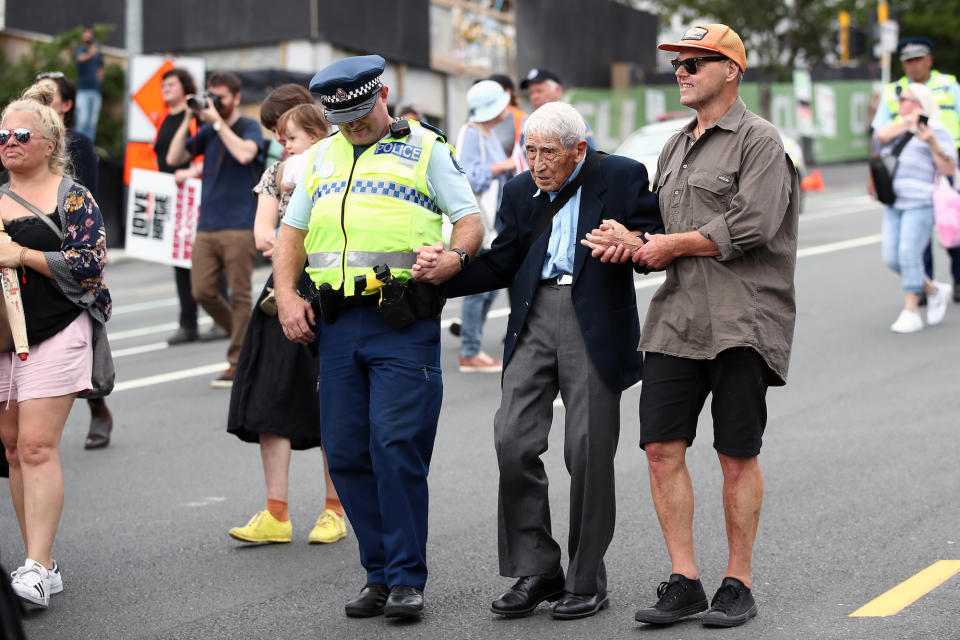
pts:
[370, 211]
[939, 84]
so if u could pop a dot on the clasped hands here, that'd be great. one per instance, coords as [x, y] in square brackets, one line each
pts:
[613, 242]
[435, 264]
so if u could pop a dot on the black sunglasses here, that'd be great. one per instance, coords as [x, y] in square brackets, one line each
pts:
[50, 74]
[22, 135]
[690, 64]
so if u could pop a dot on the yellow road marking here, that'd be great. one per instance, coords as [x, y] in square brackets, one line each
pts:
[909, 591]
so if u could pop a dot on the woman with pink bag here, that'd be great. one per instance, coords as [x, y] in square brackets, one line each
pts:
[908, 222]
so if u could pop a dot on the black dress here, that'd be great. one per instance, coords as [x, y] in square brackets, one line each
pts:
[275, 383]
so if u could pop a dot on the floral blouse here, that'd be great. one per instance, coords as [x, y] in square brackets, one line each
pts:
[78, 266]
[268, 186]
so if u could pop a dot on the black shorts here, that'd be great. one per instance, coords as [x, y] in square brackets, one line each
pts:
[674, 390]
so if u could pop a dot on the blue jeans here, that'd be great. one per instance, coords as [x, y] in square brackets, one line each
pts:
[473, 316]
[906, 233]
[87, 112]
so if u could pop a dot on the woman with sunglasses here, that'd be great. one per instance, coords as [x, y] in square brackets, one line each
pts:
[908, 222]
[61, 285]
[86, 168]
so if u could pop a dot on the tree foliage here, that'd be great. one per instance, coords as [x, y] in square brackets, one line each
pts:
[779, 34]
[57, 55]
[939, 21]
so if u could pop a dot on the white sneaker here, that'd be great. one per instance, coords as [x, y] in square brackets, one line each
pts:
[32, 583]
[937, 302]
[908, 321]
[56, 578]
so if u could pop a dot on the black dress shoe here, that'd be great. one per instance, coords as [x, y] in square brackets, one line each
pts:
[182, 336]
[528, 592]
[574, 605]
[101, 424]
[369, 603]
[404, 603]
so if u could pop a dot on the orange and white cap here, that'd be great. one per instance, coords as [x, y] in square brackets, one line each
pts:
[718, 38]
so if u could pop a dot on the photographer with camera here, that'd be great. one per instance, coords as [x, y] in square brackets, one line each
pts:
[232, 164]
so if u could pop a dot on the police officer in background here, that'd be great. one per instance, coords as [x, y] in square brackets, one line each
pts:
[372, 194]
[916, 56]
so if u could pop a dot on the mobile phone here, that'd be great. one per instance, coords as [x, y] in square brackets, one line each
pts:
[922, 119]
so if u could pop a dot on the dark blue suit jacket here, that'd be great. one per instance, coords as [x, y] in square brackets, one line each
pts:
[603, 294]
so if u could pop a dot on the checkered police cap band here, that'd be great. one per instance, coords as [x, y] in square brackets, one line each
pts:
[345, 99]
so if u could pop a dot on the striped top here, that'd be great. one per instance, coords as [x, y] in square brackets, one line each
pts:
[913, 181]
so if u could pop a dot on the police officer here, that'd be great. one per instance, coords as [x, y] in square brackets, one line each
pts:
[371, 194]
[916, 56]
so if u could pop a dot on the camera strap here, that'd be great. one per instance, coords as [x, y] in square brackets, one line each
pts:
[548, 212]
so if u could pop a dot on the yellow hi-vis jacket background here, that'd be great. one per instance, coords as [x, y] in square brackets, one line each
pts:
[939, 84]
[371, 211]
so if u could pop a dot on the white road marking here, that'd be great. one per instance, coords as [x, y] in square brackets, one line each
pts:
[839, 246]
[205, 501]
[146, 331]
[182, 374]
[145, 306]
[144, 348]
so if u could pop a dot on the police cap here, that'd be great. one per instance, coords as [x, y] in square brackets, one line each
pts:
[916, 47]
[349, 88]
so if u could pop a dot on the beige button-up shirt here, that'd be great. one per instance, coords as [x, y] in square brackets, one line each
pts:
[737, 187]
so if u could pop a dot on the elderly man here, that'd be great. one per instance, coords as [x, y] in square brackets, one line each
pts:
[573, 328]
[722, 323]
[543, 86]
[372, 193]
[916, 56]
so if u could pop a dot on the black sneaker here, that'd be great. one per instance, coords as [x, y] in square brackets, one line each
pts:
[732, 605]
[679, 597]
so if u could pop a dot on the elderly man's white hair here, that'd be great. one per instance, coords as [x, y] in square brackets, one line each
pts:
[557, 120]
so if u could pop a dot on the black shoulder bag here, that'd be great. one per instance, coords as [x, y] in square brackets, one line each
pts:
[884, 168]
[549, 211]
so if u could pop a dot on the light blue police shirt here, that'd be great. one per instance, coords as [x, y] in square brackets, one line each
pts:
[445, 179]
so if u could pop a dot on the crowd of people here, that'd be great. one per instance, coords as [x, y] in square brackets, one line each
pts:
[341, 349]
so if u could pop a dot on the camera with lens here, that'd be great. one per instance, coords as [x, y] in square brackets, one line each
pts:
[203, 100]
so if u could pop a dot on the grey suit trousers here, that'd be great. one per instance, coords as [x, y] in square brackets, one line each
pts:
[551, 356]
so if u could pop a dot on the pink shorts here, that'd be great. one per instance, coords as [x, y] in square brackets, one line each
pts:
[58, 366]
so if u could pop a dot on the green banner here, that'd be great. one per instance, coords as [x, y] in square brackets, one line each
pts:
[837, 116]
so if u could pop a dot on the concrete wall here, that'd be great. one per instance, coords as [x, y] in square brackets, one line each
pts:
[580, 40]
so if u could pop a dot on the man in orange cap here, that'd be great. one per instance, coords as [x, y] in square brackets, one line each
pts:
[722, 322]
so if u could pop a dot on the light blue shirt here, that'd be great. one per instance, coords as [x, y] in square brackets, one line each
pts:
[447, 183]
[562, 245]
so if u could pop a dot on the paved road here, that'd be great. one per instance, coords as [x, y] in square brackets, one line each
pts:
[860, 484]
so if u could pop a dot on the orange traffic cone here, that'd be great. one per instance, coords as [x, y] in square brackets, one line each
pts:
[812, 182]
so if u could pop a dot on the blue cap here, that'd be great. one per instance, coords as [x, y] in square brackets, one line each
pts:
[348, 88]
[916, 47]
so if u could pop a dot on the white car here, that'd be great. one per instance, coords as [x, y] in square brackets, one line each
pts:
[644, 146]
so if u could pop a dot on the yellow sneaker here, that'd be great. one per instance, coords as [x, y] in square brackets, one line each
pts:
[263, 527]
[330, 527]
